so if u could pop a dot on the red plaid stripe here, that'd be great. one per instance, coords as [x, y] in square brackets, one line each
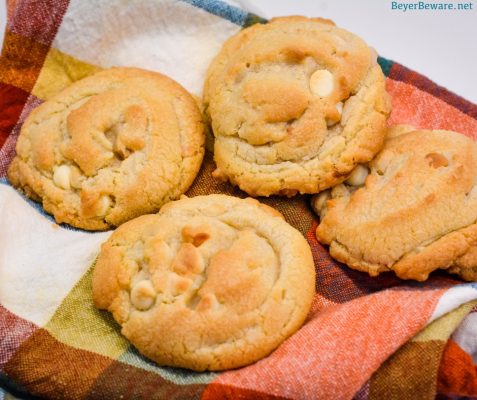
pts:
[39, 19]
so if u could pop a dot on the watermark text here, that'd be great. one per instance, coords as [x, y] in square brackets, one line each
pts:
[426, 5]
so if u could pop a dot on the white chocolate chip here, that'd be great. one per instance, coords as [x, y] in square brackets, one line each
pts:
[179, 284]
[348, 108]
[358, 176]
[188, 260]
[318, 201]
[322, 83]
[339, 191]
[143, 295]
[107, 138]
[196, 234]
[76, 178]
[339, 107]
[62, 177]
[103, 204]
[208, 303]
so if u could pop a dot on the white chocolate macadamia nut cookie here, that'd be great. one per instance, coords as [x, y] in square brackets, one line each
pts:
[415, 212]
[210, 283]
[294, 105]
[109, 148]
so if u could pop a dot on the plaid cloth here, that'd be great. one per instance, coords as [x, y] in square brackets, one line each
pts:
[367, 338]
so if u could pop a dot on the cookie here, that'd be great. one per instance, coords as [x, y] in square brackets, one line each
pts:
[109, 148]
[411, 210]
[294, 105]
[210, 283]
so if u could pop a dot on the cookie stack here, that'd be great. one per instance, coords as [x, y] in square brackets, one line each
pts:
[296, 106]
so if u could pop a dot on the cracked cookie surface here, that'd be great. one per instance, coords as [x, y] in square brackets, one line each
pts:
[414, 213]
[294, 105]
[209, 283]
[109, 148]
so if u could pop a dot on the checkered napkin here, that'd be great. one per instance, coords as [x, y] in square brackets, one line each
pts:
[368, 338]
